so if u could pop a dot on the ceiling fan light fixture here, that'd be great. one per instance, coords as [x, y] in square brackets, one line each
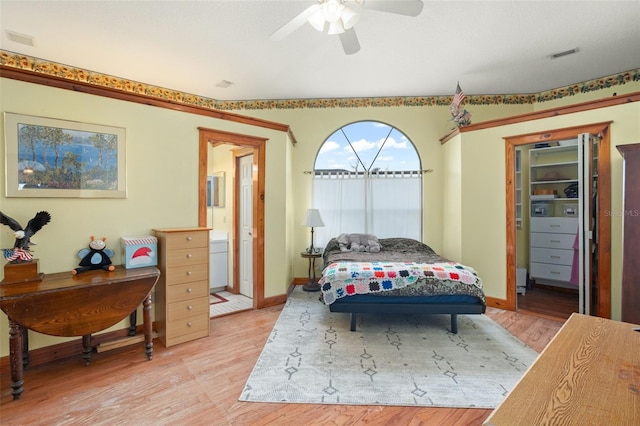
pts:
[335, 28]
[317, 21]
[349, 18]
[332, 10]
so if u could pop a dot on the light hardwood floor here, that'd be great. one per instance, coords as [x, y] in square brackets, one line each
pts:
[198, 383]
[549, 302]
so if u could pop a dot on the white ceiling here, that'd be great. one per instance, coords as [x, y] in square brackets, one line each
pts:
[491, 47]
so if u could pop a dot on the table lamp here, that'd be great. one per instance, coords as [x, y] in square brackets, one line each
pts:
[312, 220]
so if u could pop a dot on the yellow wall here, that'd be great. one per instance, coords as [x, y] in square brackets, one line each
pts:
[452, 200]
[162, 184]
[162, 158]
[483, 192]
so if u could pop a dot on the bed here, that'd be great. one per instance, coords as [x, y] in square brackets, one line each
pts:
[405, 276]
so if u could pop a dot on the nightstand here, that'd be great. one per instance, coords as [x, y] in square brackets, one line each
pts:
[312, 285]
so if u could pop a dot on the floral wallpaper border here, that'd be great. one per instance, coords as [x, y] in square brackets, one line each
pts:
[19, 61]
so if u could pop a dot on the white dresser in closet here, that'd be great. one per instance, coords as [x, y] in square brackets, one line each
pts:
[551, 249]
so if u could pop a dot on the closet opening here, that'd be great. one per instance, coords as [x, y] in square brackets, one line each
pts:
[558, 237]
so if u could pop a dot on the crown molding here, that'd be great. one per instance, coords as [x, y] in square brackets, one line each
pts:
[76, 80]
[28, 68]
[547, 113]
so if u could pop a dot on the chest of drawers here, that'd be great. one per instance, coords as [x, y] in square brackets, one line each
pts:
[551, 248]
[182, 292]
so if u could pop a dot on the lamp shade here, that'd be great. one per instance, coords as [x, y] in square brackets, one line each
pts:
[335, 28]
[313, 219]
[349, 18]
[317, 20]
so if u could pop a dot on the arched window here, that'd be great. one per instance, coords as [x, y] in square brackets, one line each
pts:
[368, 179]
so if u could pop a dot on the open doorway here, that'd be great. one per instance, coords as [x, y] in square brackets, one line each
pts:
[256, 147]
[540, 169]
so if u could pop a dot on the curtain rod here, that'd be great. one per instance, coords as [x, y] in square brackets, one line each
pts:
[399, 172]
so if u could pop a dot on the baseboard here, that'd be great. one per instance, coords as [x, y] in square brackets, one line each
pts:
[274, 301]
[72, 348]
[498, 303]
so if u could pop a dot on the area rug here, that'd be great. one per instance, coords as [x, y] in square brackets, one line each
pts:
[408, 360]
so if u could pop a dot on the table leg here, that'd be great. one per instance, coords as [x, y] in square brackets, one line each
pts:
[148, 331]
[312, 285]
[133, 321]
[86, 348]
[26, 357]
[15, 358]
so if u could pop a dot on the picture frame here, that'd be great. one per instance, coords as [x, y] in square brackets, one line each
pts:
[49, 157]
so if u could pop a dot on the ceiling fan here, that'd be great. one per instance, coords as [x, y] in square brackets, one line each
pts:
[337, 17]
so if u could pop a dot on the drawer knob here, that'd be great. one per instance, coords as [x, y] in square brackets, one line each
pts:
[189, 324]
[189, 256]
[189, 272]
[189, 238]
[190, 308]
[555, 272]
[554, 241]
[189, 290]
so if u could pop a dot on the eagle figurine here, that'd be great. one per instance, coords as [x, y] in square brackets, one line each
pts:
[20, 252]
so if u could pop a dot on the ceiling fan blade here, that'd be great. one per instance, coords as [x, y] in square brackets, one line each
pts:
[295, 23]
[349, 40]
[400, 7]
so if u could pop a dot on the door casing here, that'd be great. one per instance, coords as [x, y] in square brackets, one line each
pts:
[603, 307]
[256, 146]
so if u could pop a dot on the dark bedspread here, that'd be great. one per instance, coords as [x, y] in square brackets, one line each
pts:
[391, 250]
[405, 250]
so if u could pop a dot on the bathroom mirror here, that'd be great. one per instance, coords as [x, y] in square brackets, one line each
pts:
[215, 190]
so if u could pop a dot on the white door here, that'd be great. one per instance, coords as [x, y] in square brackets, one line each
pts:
[246, 225]
[588, 187]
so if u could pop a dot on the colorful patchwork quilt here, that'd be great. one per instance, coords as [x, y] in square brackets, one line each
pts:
[403, 267]
[340, 279]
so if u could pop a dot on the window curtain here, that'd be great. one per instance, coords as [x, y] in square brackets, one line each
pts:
[386, 204]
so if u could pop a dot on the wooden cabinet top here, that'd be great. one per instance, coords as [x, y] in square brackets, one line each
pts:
[171, 230]
[628, 149]
[588, 374]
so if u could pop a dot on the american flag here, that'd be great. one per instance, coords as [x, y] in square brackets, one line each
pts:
[17, 254]
[458, 98]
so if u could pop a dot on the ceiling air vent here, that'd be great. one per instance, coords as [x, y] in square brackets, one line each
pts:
[565, 53]
[27, 40]
[224, 84]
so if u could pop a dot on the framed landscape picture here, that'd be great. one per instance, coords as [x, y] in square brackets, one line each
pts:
[46, 157]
